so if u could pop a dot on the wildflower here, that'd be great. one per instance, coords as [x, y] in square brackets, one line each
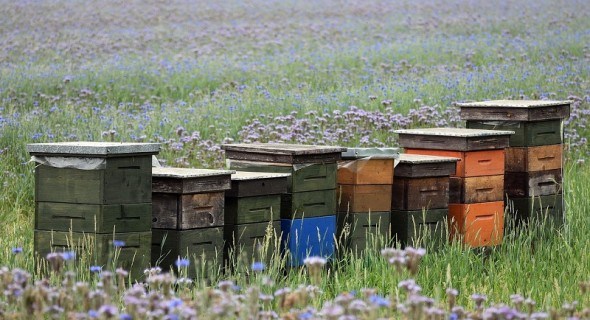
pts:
[17, 250]
[95, 269]
[182, 262]
[109, 311]
[69, 255]
[379, 301]
[478, 299]
[258, 266]
[125, 316]
[452, 297]
[118, 243]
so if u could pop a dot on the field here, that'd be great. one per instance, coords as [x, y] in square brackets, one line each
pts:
[195, 74]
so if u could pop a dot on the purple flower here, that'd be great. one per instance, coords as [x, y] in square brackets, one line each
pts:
[379, 301]
[118, 243]
[17, 250]
[257, 266]
[125, 316]
[95, 269]
[182, 262]
[69, 255]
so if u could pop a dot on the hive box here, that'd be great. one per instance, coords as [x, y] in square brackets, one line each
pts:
[531, 184]
[530, 159]
[543, 209]
[456, 139]
[367, 166]
[479, 224]
[364, 230]
[420, 228]
[472, 163]
[189, 198]
[515, 110]
[527, 134]
[476, 189]
[283, 153]
[252, 242]
[308, 237]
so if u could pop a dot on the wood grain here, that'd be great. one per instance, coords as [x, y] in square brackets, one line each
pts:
[364, 198]
[453, 143]
[191, 185]
[527, 134]
[532, 184]
[472, 163]
[477, 224]
[419, 193]
[308, 204]
[515, 114]
[420, 228]
[528, 159]
[359, 231]
[476, 189]
[419, 170]
[252, 209]
[257, 187]
[363, 171]
[188, 211]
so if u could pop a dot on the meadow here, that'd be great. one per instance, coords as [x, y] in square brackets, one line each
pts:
[195, 74]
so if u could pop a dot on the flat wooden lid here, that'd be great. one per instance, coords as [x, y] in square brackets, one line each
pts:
[381, 153]
[247, 175]
[187, 173]
[525, 104]
[282, 148]
[454, 132]
[418, 158]
[92, 148]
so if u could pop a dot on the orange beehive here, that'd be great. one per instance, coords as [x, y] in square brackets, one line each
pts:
[540, 158]
[479, 224]
[366, 171]
[471, 163]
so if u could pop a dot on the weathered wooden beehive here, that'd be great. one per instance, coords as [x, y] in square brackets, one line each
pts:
[89, 195]
[365, 182]
[188, 216]
[534, 160]
[310, 201]
[421, 199]
[252, 215]
[476, 205]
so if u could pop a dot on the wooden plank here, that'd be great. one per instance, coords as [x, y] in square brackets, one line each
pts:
[283, 153]
[545, 209]
[93, 218]
[253, 242]
[420, 193]
[188, 211]
[304, 177]
[528, 159]
[204, 244]
[128, 180]
[251, 184]
[364, 197]
[359, 231]
[308, 204]
[417, 166]
[527, 134]
[93, 149]
[531, 184]
[515, 110]
[308, 237]
[252, 209]
[366, 171]
[187, 180]
[455, 139]
[420, 228]
[476, 189]
[477, 224]
[134, 255]
[472, 163]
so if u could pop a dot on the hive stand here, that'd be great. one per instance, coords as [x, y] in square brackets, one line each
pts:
[534, 160]
[252, 216]
[365, 182]
[311, 190]
[421, 199]
[89, 194]
[477, 186]
[188, 217]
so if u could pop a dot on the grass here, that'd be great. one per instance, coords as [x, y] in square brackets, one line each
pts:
[112, 73]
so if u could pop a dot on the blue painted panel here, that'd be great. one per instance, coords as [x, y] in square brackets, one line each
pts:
[308, 237]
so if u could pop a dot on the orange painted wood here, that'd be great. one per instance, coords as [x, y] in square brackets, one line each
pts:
[471, 163]
[364, 198]
[527, 159]
[477, 224]
[366, 171]
[476, 189]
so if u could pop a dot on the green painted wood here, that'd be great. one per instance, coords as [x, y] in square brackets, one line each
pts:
[125, 180]
[308, 204]
[304, 177]
[252, 242]
[359, 231]
[134, 256]
[545, 209]
[93, 218]
[419, 228]
[204, 244]
[252, 209]
[527, 134]
[250, 184]
[188, 211]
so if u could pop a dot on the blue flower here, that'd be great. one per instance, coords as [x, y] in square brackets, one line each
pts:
[306, 315]
[379, 301]
[93, 314]
[69, 255]
[175, 303]
[257, 266]
[125, 316]
[95, 269]
[118, 243]
[17, 250]
[182, 263]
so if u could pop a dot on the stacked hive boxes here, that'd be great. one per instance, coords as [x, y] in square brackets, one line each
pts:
[95, 197]
[252, 215]
[534, 159]
[308, 209]
[476, 208]
[365, 179]
[188, 216]
[421, 199]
